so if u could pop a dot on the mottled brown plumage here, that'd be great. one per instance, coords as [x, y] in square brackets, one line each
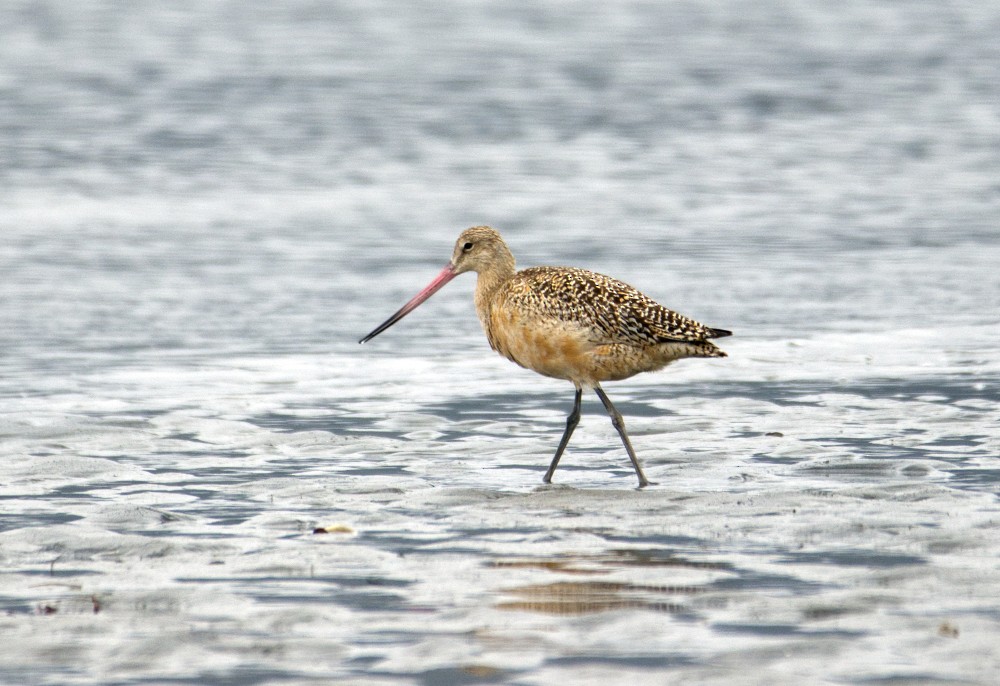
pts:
[568, 323]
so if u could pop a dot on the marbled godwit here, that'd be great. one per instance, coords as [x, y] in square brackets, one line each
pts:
[568, 323]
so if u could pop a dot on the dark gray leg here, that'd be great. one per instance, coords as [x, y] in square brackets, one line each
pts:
[619, 424]
[571, 421]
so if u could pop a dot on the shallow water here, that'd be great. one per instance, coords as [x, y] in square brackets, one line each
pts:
[206, 206]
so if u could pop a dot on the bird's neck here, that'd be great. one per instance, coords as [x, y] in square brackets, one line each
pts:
[491, 280]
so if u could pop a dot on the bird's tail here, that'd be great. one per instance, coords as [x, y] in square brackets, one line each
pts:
[703, 349]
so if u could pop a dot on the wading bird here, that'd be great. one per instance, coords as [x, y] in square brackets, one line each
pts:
[568, 323]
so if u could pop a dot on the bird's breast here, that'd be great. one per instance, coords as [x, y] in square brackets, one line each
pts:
[548, 347]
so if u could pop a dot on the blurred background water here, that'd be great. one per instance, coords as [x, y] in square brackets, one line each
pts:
[204, 205]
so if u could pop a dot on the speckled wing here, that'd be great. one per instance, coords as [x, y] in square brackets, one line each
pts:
[613, 310]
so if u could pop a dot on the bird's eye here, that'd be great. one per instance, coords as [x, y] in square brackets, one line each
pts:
[467, 247]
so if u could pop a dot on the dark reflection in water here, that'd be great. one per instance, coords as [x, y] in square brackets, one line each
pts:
[853, 558]
[589, 597]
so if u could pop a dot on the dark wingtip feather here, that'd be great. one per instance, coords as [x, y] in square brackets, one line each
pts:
[720, 333]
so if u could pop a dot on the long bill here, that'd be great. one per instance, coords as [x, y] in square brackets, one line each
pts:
[446, 275]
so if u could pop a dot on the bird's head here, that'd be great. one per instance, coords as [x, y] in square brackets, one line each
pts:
[479, 249]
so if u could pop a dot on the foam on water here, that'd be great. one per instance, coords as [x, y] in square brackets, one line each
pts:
[165, 517]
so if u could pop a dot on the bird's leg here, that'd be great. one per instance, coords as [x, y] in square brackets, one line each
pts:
[619, 424]
[571, 421]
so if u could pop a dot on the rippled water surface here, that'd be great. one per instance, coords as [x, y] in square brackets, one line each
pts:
[205, 480]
